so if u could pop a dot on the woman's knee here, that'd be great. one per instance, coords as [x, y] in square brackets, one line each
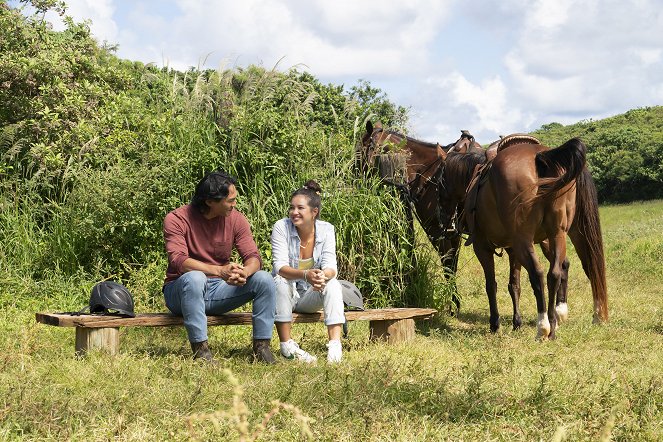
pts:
[283, 308]
[333, 303]
[333, 289]
[283, 299]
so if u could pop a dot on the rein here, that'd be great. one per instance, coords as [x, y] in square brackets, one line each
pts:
[452, 228]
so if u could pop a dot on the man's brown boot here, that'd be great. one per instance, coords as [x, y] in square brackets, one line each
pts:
[262, 352]
[201, 351]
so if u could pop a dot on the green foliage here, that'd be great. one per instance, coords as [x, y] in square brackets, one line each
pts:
[96, 150]
[373, 102]
[625, 152]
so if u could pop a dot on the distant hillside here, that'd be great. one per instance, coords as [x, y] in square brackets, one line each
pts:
[625, 152]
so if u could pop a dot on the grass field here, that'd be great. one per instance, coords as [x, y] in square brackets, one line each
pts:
[455, 381]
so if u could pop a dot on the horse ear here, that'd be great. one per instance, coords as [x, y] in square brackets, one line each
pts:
[441, 153]
[369, 127]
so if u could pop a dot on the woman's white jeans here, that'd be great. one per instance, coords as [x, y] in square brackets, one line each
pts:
[289, 299]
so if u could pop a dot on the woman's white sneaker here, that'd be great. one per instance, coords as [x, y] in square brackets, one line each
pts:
[291, 350]
[334, 352]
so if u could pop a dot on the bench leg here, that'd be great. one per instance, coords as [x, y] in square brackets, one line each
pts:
[106, 339]
[392, 330]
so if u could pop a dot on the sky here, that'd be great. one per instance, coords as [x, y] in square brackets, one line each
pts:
[493, 67]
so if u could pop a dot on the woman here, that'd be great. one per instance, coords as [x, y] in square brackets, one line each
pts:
[304, 269]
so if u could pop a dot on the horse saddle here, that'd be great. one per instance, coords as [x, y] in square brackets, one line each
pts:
[465, 141]
[512, 139]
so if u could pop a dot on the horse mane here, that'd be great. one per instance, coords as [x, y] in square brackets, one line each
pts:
[410, 139]
[461, 166]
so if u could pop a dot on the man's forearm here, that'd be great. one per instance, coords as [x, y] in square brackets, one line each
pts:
[251, 266]
[193, 264]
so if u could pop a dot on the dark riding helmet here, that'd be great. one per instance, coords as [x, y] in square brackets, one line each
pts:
[111, 298]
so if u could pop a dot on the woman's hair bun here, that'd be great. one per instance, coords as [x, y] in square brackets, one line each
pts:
[312, 185]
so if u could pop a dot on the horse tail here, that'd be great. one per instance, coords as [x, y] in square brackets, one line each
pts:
[558, 167]
[585, 233]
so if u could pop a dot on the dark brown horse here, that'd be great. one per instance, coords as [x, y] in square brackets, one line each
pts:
[531, 194]
[420, 163]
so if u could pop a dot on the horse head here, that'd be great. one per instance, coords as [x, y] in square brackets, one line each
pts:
[385, 152]
[369, 145]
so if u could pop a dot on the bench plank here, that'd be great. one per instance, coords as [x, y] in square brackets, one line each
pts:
[97, 332]
[231, 318]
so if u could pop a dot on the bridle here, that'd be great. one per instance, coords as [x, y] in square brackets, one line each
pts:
[410, 197]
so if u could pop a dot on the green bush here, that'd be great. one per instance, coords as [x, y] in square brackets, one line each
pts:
[96, 150]
[625, 152]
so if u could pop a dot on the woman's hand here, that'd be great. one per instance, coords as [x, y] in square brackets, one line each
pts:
[317, 279]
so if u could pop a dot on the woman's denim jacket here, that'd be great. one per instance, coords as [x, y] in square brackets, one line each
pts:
[285, 248]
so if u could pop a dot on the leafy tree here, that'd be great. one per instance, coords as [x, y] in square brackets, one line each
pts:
[373, 103]
[625, 152]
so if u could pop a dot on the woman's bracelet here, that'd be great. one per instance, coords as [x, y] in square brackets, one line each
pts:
[305, 272]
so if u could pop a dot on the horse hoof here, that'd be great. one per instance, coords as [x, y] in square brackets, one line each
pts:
[494, 328]
[542, 327]
[562, 311]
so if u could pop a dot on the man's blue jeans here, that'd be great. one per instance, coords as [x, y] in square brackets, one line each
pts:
[194, 296]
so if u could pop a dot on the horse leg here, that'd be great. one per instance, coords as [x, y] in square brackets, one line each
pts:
[555, 272]
[514, 288]
[524, 252]
[448, 250]
[484, 254]
[561, 306]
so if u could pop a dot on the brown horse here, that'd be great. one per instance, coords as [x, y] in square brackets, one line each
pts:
[420, 163]
[531, 194]
[459, 168]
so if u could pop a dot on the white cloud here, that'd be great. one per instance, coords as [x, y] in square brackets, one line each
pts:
[535, 61]
[648, 56]
[484, 109]
[587, 57]
[331, 38]
[548, 13]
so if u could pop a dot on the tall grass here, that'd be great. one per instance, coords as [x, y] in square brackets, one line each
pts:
[157, 138]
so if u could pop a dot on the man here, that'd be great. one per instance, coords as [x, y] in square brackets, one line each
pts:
[201, 280]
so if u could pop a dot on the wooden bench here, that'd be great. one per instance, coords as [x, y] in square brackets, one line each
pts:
[393, 325]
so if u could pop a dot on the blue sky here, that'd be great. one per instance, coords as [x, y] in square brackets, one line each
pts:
[492, 67]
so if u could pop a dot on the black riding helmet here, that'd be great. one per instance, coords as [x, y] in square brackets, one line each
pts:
[109, 297]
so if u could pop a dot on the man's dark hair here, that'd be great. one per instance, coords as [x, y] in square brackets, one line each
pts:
[213, 187]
